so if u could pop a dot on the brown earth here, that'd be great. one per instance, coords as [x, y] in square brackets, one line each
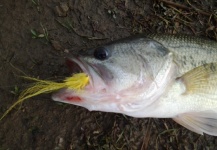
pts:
[35, 38]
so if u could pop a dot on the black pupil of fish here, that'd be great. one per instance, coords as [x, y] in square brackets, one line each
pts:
[101, 53]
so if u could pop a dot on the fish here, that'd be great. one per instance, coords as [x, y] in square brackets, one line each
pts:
[150, 76]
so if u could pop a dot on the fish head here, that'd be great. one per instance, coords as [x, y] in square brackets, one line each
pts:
[121, 73]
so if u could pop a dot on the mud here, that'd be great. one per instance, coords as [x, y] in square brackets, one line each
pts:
[36, 37]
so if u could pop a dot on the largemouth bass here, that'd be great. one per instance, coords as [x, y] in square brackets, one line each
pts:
[162, 76]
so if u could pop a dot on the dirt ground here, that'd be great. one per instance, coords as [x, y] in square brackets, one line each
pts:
[35, 38]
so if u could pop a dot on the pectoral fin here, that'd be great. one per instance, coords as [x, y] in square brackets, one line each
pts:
[202, 80]
[199, 122]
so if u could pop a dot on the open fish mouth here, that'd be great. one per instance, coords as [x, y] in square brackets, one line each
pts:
[99, 75]
[98, 79]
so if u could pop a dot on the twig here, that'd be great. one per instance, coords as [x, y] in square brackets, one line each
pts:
[71, 28]
[180, 12]
[198, 10]
[185, 7]
[174, 4]
[166, 21]
[146, 138]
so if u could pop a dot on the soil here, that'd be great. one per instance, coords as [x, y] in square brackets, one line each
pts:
[36, 37]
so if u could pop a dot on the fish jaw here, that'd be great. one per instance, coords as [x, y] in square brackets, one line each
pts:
[97, 89]
[90, 99]
[134, 101]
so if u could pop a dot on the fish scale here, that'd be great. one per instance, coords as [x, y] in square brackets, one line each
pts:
[190, 52]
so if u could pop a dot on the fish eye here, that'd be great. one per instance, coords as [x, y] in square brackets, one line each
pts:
[101, 53]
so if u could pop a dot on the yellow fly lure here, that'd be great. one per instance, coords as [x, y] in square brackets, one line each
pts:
[77, 82]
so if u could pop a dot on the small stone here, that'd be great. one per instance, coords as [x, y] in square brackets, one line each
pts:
[62, 9]
[66, 51]
[56, 45]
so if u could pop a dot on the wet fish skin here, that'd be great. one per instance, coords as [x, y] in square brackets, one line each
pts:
[189, 51]
[163, 76]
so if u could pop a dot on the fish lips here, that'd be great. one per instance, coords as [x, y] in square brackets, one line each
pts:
[99, 74]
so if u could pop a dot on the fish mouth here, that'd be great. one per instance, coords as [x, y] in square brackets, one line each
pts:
[99, 75]
[99, 78]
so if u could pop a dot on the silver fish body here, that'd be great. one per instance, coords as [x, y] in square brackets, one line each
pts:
[189, 52]
[164, 76]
